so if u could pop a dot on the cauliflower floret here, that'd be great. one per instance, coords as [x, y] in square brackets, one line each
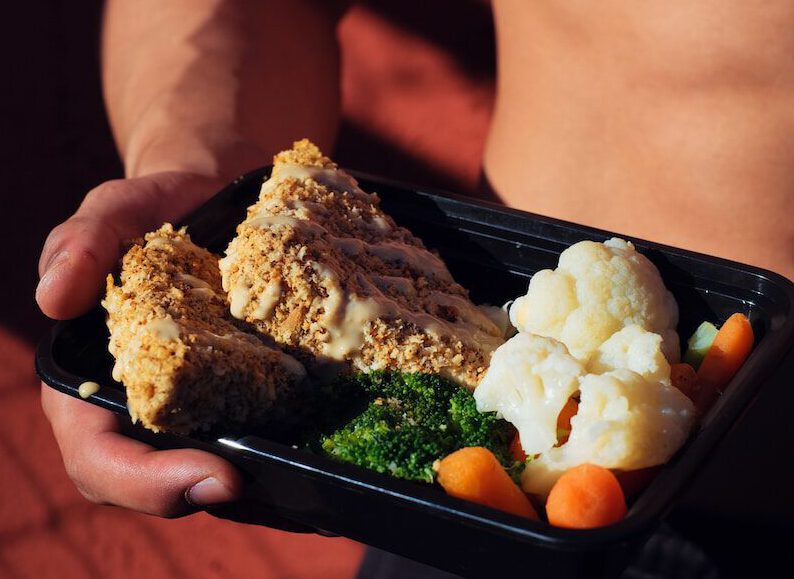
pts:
[634, 349]
[596, 290]
[528, 382]
[624, 422]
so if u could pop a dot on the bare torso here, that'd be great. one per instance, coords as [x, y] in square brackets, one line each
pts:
[667, 121]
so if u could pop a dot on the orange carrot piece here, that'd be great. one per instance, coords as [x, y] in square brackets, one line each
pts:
[727, 353]
[515, 449]
[585, 497]
[564, 420]
[685, 378]
[563, 430]
[475, 475]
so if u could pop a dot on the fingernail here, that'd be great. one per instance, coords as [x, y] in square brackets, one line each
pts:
[210, 491]
[53, 266]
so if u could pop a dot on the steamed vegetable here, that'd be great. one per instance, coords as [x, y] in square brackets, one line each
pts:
[529, 381]
[727, 353]
[685, 378]
[596, 290]
[699, 343]
[585, 497]
[564, 420]
[623, 422]
[474, 474]
[402, 423]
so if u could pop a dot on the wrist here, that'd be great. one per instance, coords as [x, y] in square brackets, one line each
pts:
[216, 154]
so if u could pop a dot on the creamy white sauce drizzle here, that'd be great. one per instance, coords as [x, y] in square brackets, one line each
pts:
[401, 285]
[118, 369]
[266, 221]
[164, 329]
[165, 242]
[332, 178]
[416, 258]
[467, 311]
[346, 317]
[380, 224]
[87, 389]
[203, 292]
[239, 298]
[193, 281]
[268, 300]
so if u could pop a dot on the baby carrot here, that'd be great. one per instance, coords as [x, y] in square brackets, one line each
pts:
[563, 430]
[516, 450]
[564, 420]
[475, 475]
[685, 378]
[585, 497]
[727, 353]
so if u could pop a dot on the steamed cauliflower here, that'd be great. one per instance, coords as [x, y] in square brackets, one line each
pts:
[603, 325]
[596, 290]
[528, 382]
[624, 422]
[634, 349]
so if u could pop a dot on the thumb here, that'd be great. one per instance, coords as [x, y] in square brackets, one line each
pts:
[79, 253]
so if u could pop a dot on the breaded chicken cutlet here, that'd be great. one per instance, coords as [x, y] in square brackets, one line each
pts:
[320, 268]
[184, 363]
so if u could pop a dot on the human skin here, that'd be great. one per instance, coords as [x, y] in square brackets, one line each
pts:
[668, 121]
[671, 122]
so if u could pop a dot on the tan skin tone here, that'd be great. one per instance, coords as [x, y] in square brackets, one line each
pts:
[672, 122]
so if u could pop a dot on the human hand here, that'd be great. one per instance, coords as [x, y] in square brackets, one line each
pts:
[106, 466]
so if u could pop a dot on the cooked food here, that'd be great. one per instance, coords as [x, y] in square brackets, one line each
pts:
[629, 415]
[624, 422]
[320, 268]
[475, 474]
[185, 364]
[586, 497]
[530, 380]
[596, 290]
[635, 349]
[589, 384]
[401, 424]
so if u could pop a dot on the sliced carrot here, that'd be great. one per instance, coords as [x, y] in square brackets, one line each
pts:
[585, 497]
[685, 378]
[727, 353]
[474, 474]
[515, 449]
[564, 420]
[563, 430]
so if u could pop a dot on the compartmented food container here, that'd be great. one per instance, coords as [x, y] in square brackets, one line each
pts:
[493, 251]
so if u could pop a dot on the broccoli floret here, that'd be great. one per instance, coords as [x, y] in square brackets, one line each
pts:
[406, 423]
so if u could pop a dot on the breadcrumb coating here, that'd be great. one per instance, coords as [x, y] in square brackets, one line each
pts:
[320, 268]
[184, 362]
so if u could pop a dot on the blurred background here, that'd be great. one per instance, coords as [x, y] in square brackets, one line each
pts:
[418, 82]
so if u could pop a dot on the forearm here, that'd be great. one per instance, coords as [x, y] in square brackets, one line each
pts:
[215, 87]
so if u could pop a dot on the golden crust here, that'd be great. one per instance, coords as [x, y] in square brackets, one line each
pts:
[305, 153]
[184, 362]
[316, 268]
[320, 268]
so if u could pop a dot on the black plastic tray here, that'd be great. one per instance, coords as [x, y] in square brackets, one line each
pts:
[493, 251]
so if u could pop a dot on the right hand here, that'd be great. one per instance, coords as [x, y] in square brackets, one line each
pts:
[106, 466]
